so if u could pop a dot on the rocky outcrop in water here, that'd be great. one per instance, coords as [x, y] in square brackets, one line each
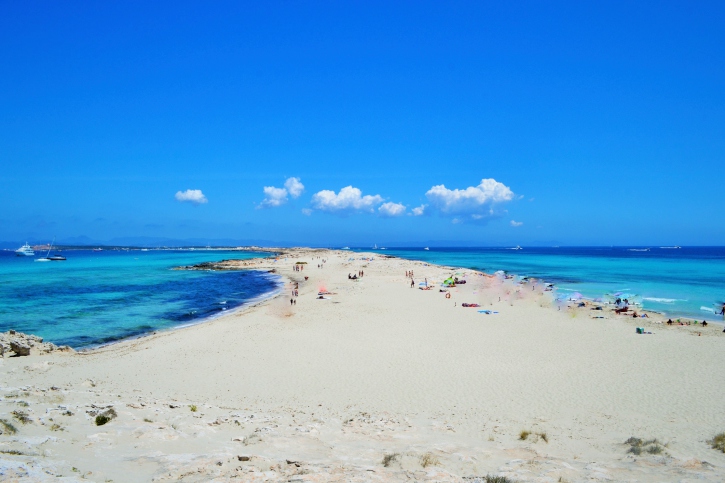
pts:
[18, 344]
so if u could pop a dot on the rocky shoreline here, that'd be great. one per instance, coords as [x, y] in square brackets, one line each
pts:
[17, 344]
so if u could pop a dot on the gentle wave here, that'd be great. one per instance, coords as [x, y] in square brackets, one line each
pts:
[663, 300]
[707, 309]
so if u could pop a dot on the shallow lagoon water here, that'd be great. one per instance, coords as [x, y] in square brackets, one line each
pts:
[95, 297]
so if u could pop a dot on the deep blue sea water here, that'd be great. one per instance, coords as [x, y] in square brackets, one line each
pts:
[687, 281]
[99, 297]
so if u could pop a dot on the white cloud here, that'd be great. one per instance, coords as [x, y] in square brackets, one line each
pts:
[391, 209]
[306, 211]
[516, 223]
[419, 210]
[473, 203]
[191, 196]
[349, 199]
[294, 187]
[274, 197]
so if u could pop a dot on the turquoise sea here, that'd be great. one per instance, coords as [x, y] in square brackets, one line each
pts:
[95, 297]
[686, 281]
[100, 297]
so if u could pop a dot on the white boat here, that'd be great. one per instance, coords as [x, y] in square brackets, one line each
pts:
[345, 248]
[426, 248]
[375, 247]
[516, 248]
[25, 251]
[45, 258]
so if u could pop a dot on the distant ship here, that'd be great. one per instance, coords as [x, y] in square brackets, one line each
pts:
[345, 248]
[25, 251]
[375, 247]
[516, 248]
[426, 248]
[670, 247]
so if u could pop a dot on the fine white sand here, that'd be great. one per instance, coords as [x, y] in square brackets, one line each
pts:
[324, 390]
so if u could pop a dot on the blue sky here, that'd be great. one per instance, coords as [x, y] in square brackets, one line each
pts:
[593, 122]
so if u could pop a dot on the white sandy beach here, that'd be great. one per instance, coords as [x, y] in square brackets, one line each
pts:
[379, 372]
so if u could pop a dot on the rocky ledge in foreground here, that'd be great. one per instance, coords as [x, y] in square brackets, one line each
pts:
[18, 344]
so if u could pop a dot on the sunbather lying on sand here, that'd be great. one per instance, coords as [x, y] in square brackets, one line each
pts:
[464, 304]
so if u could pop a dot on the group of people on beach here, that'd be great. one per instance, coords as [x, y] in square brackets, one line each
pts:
[409, 274]
[295, 294]
[360, 274]
[299, 267]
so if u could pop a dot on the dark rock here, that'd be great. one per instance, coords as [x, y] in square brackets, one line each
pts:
[20, 347]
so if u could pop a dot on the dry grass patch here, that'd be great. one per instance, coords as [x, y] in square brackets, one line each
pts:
[497, 479]
[637, 446]
[391, 458]
[429, 459]
[22, 416]
[718, 442]
[13, 452]
[6, 427]
[525, 434]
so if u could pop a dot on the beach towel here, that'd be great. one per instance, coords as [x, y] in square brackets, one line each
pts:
[487, 312]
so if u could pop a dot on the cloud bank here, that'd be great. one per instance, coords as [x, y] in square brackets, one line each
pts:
[475, 203]
[191, 196]
[348, 200]
[274, 197]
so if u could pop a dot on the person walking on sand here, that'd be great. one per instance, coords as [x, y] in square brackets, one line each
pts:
[412, 283]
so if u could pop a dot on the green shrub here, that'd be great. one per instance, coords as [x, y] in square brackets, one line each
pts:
[102, 419]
